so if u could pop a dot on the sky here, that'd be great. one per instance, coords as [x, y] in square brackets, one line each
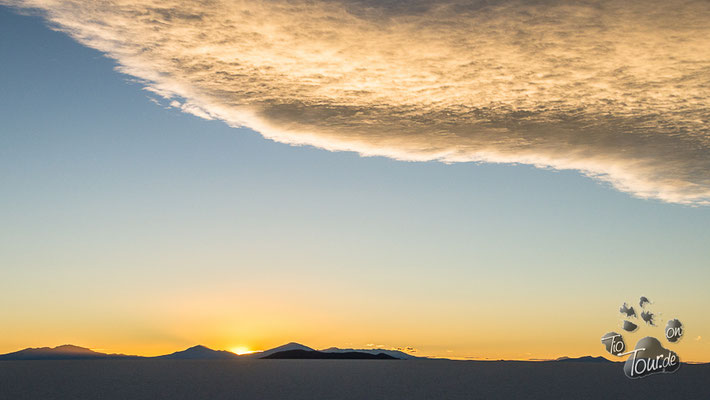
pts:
[352, 175]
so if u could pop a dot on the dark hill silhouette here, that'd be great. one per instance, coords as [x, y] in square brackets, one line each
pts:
[290, 350]
[319, 355]
[285, 347]
[64, 352]
[394, 353]
[588, 359]
[199, 352]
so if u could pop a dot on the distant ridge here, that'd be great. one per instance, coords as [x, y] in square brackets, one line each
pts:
[588, 359]
[285, 347]
[290, 350]
[63, 352]
[393, 353]
[319, 355]
[199, 352]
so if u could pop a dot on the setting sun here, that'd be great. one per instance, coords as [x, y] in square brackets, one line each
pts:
[241, 350]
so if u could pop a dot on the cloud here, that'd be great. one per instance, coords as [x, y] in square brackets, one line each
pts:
[616, 90]
[407, 349]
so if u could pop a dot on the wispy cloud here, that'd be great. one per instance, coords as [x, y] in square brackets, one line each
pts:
[616, 90]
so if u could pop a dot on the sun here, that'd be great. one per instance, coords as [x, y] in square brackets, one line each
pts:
[241, 350]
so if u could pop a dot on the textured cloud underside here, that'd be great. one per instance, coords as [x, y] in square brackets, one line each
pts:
[619, 90]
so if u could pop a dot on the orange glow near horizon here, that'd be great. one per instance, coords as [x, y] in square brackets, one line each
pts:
[240, 350]
[297, 311]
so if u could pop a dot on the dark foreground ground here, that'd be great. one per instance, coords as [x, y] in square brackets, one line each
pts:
[340, 379]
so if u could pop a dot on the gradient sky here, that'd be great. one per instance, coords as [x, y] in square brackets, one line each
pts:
[128, 225]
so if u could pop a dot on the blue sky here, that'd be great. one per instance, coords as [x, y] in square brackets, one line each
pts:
[103, 188]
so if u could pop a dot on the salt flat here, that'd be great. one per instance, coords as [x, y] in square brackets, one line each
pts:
[338, 379]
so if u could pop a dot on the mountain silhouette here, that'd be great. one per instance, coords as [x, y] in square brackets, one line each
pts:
[393, 353]
[290, 350]
[583, 359]
[319, 355]
[285, 347]
[199, 352]
[64, 352]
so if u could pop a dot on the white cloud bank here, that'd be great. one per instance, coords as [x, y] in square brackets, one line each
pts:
[619, 90]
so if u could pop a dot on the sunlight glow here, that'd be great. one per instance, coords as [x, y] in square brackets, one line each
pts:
[241, 350]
